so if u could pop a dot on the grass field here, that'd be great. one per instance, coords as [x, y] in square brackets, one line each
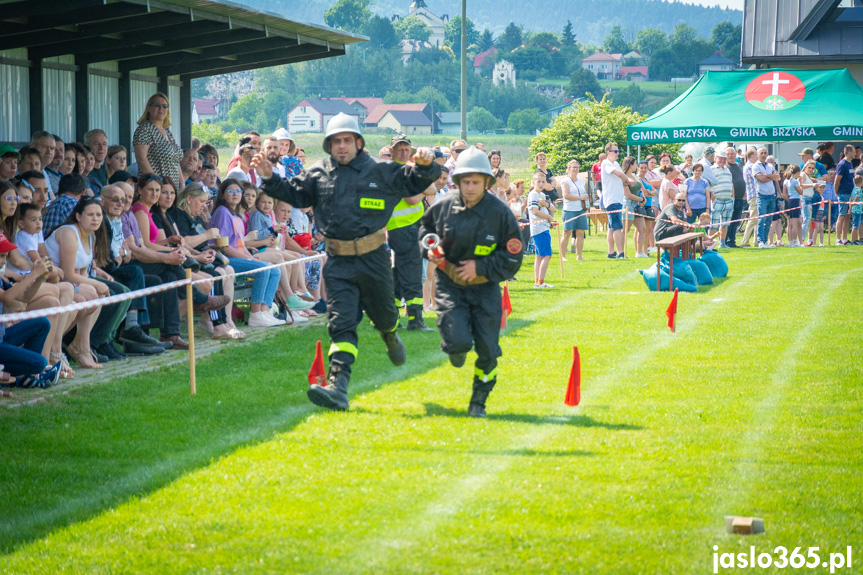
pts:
[753, 407]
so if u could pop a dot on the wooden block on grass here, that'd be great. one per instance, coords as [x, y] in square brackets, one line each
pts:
[744, 525]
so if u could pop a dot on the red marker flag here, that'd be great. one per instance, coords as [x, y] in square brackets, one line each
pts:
[672, 311]
[506, 305]
[573, 390]
[318, 373]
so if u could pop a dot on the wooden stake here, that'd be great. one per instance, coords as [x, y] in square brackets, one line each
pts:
[190, 322]
[625, 230]
[829, 222]
[560, 253]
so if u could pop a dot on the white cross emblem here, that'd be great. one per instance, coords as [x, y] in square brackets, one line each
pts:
[775, 82]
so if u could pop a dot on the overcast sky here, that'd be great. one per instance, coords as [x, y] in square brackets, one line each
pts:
[736, 4]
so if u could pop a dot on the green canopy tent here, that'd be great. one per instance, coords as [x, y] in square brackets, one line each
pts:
[775, 105]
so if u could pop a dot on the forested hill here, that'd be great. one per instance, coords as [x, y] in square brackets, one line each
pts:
[592, 19]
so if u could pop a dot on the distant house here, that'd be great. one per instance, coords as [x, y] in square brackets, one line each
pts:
[209, 110]
[632, 73]
[437, 24]
[602, 65]
[715, 63]
[449, 122]
[373, 120]
[808, 34]
[410, 47]
[406, 122]
[484, 59]
[312, 115]
[634, 58]
[363, 106]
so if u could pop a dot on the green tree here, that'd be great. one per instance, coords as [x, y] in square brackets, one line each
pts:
[275, 106]
[583, 81]
[545, 40]
[632, 97]
[530, 58]
[725, 34]
[649, 40]
[664, 65]
[247, 113]
[481, 120]
[452, 34]
[413, 28]
[526, 121]
[381, 32]
[512, 38]
[349, 15]
[614, 42]
[211, 134]
[567, 37]
[486, 40]
[582, 134]
[684, 34]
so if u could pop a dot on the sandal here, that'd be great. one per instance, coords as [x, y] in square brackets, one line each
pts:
[77, 356]
[4, 393]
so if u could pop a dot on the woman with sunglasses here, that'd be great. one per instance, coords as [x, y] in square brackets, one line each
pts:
[154, 145]
[231, 226]
[72, 247]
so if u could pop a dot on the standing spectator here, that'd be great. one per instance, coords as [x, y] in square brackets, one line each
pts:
[613, 180]
[548, 188]
[808, 154]
[776, 223]
[596, 172]
[698, 194]
[707, 159]
[254, 139]
[844, 185]
[540, 210]
[668, 189]
[751, 196]
[242, 172]
[793, 193]
[766, 178]
[808, 184]
[738, 185]
[825, 155]
[386, 153]
[634, 207]
[494, 160]
[97, 141]
[53, 170]
[857, 211]
[650, 188]
[156, 151]
[456, 147]
[575, 201]
[685, 168]
[829, 196]
[723, 200]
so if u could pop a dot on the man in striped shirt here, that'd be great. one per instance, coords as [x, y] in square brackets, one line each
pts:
[751, 196]
[723, 203]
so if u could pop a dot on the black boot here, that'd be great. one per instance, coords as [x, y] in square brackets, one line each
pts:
[415, 319]
[333, 395]
[481, 389]
[395, 347]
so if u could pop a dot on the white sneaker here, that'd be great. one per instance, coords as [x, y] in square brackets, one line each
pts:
[651, 250]
[299, 318]
[642, 256]
[263, 319]
[763, 246]
[545, 285]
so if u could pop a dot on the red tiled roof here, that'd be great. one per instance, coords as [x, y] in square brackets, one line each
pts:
[480, 58]
[624, 70]
[378, 113]
[206, 107]
[603, 57]
[368, 103]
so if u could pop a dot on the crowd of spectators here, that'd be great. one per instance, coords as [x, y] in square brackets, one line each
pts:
[77, 223]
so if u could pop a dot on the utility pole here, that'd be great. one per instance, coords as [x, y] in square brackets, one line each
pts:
[464, 70]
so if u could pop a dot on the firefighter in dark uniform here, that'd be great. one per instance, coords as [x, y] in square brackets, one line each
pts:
[403, 238]
[480, 246]
[353, 196]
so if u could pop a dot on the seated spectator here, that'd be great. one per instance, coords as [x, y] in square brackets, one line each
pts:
[96, 141]
[21, 343]
[92, 178]
[9, 158]
[211, 157]
[247, 206]
[191, 204]
[71, 247]
[24, 191]
[672, 219]
[164, 213]
[312, 270]
[31, 159]
[249, 138]
[293, 281]
[188, 166]
[121, 269]
[8, 208]
[69, 191]
[158, 267]
[123, 176]
[243, 171]
[115, 161]
[230, 225]
[70, 161]
[44, 142]
[53, 169]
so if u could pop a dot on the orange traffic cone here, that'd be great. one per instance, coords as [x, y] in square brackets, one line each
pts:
[573, 390]
[506, 305]
[318, 373]
[672, 311]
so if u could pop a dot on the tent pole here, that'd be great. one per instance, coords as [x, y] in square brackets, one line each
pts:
[627, 149]
[639, 152]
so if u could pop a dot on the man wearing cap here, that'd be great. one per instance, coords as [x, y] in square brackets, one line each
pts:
[807, 154]
[403, 237]
[481, 246]
[9, 158]
[353, 196]
[707, 161]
